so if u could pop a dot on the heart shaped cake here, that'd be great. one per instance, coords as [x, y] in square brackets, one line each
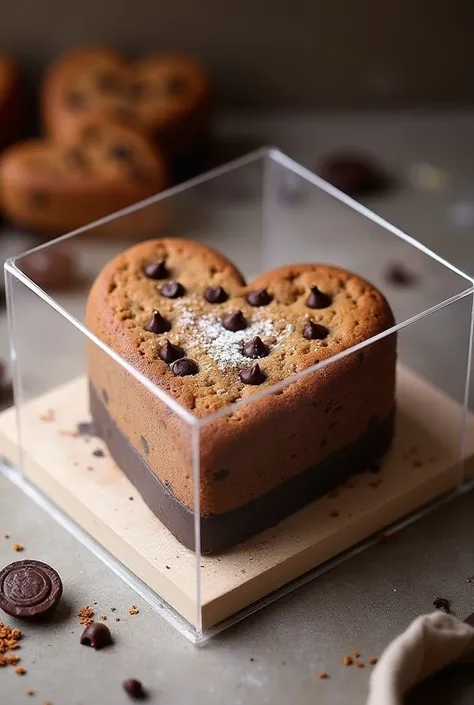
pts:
[165, 96]
[182, 314]
[56, 187]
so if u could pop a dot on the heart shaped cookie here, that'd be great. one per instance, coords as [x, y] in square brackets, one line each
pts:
[165, 96]
[181, 314]
[56, 187]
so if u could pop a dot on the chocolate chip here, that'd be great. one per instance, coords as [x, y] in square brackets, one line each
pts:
[318, 299]
[99, 453]
[255, 348]
[215, 295]
[29, 590]
[260, 297]
[441, 603]
[107, 82]
[172, 290]
[169, 352]
[134, 688]
[121, 152]
[157, 270]
[38, 199]
[157, 324]
[234, 321]
[74, 158]
[220, 475]
[145, 446]
[315, 331]
[96, 635]
[184, 367]
[176, 84]
[253, 375]
[74, 100]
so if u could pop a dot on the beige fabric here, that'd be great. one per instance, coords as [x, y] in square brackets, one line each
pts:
[429, 644]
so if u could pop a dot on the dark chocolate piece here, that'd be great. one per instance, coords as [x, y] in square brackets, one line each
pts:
[86, 428]
[253, 375]
[234, 321]
[221, 531]
[315, 331]
[75, 158]
[157, 270]
[99, 453]
[184, 367]
[260, 297]
[318, 299]
[353, 173]
[134, 688]
[441, 603]
[215, 295]
[157, 324]
[29, 589]
[96, 635]
[121, 152]
[74, 100]
[172, 290]
[255, 348]
[170, 353]
[399, 275]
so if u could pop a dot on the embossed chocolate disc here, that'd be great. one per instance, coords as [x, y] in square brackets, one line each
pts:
[29, 589]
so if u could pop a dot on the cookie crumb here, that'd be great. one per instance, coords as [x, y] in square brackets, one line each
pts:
[18, 547]
[347, 661]
[355, 654]
[104, 618]
[6, 536]
[85, 615]
[98, 453]
[359, 664]
[373, 660]
[20, 670]
[113, 609]
[67, 432]
[133, 610]
[323, 675]
[29, 692]
[117, 619]
[48, 415]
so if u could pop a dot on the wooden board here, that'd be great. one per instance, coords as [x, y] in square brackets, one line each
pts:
[422, 465]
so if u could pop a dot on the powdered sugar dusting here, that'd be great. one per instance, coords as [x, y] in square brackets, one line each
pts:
[206, 333]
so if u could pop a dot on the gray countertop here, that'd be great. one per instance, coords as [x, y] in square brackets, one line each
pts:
[275, 655]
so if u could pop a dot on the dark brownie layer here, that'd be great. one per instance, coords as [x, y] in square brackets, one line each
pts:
[221, 531]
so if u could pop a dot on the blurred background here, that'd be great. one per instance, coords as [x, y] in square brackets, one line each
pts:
[375, 96]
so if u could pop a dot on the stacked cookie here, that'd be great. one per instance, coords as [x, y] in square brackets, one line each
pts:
[113, 131]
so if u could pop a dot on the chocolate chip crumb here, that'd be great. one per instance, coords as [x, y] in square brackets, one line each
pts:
[99, 453]
[6, 536]
[18, 547]
[372, 660]
[441, 603]
[355, 654]
[29, 692]
[133, 610]
[399, 275]
[20, 670]
[347, 661]
[359, 664]
[323, 675]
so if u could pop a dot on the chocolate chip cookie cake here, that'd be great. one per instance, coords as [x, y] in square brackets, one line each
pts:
[182, 315]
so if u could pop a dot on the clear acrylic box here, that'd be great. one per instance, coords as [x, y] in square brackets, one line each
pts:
[261, 211]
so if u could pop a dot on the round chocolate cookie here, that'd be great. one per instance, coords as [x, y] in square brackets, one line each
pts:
[29, 589]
